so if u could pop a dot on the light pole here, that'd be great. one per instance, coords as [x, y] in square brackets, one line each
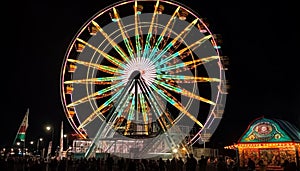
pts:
[67, 140]
[38, 146]
[31, 149]
[50, 128]
[18, 145]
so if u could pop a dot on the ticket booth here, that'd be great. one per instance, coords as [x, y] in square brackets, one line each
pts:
[270, 140]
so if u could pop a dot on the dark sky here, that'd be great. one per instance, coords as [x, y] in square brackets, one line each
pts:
[261, 41]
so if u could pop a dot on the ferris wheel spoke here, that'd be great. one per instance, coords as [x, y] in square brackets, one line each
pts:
[104, 68]
[184, 92]
[162, 112]
[174, 41]
[154, 34]
[180, 52]
[175, 103]
[133, 111]
[124, 34]
[120, 104]
[98, 93]
[153, 101]
[150, 32]
[168, 34]
[119, 111]
[202, 61]
[157, 108]
[103, 95]
[186, 78]
[106, 109]
[143, 109]
[112, 42]
[131, 115]
[134, 107]
[97, 112]
[151, 98]
[88, 81]
[100, 80]
[82, 100]
[180, 41]
[143, 106]
[190, 64]
[110, 88]
[138, 37]
[162, 35]
[112, 59]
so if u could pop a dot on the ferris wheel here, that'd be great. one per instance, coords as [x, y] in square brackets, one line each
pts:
[147, 71]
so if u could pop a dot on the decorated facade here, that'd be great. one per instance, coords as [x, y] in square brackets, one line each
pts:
[270, 140]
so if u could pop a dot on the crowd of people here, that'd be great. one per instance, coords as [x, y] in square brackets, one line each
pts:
[262, 166]
[113, 163]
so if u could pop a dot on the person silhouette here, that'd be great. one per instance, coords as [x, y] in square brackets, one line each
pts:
[202, 163]
[251, 165]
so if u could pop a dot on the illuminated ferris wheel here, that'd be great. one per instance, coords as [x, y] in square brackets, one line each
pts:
[148, 71]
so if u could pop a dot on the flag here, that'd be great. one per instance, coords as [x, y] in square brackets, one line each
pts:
[61, 143]
[22, 129]
[49, 151]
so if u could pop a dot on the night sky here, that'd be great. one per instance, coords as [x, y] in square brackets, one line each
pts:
[261, 41]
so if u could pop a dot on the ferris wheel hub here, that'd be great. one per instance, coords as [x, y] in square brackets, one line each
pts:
[140, 68]
[135, 75]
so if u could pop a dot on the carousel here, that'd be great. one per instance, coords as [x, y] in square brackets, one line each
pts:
[270, 140]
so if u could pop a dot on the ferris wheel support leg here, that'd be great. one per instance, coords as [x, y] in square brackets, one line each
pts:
[92, 147]
[90, 150]
[105, 127]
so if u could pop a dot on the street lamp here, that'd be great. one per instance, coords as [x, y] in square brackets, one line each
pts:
[67, 140]
[19, 149]
[38, 146]
[49, 128]
[31, 148]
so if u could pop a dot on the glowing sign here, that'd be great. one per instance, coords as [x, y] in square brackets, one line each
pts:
[265, 130]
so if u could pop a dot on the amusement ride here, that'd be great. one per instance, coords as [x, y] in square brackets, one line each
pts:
[144, 77]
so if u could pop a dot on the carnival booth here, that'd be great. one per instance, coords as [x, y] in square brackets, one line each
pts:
[270, 140]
